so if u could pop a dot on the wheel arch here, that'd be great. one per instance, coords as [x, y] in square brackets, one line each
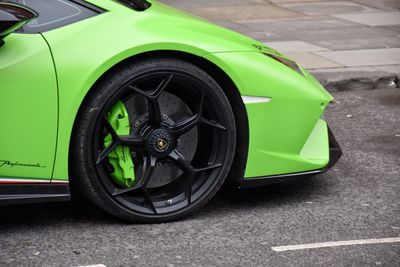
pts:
[230, 89]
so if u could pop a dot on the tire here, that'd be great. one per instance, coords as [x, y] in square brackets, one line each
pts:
[181, 141]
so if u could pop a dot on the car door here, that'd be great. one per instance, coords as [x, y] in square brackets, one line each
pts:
[28, 109]
[29, 92]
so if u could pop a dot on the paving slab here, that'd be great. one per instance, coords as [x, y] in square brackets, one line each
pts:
[381, 4]
[278, 2]
[395, 28]
[185, 4]
[258, 35]
[299, 24]
[243, 12]
[373, 19]
[328, 8]
[269, 36]
[234, 26]
[312, 61]
[367, 57]
[340, 33]
[395, 69]
[295, 46]
[360, 43]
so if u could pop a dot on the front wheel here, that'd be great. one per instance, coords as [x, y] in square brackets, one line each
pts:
[154, 141]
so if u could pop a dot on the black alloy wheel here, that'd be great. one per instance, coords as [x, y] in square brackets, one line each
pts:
[181, 141]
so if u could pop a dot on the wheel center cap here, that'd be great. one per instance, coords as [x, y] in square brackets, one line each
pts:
[160, 142]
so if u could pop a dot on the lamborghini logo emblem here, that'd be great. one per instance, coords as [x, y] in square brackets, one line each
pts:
[162, 144]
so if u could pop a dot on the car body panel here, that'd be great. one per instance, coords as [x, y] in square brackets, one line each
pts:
[79, 67]
[254, 74]
[278, 128]
[28, 109]
[286, 133]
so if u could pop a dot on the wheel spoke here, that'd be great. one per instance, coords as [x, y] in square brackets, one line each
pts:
[147, 171]
[212, 124]
[113, 145]
[186, 168]
[208, 168]
[110, 129]
[162, 86]
[155, 94]
[106, 152]
[188, 191]
[131, 140]
[149, 164]
[152, 98]
[147, 199]
[188, 124]
[118, 192]
[154, 113]
[181, 162]
[185, 126]
[118, 140]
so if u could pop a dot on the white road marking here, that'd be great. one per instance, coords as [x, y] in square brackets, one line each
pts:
[337, 244]
[95, 265]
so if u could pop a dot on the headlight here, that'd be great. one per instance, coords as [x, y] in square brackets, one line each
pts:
[272, 53]
[290, 63]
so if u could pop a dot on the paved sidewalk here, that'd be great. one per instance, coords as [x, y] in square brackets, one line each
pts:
[346, 44]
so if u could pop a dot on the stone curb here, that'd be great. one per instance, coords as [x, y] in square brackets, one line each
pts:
[352, 81]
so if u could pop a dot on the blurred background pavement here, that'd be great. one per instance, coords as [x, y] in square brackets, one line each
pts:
[347, 44]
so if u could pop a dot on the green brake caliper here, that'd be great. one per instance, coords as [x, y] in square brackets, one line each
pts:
[120, 158]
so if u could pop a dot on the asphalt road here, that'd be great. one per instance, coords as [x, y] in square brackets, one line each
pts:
[358, 199]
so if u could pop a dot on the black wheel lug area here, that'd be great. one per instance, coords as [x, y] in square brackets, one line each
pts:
[160, 143]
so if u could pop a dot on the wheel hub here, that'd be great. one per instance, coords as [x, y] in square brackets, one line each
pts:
[160, 143]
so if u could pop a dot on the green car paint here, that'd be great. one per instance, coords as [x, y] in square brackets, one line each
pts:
[28, 108]
[120, 158]
[286, 133]
[279, 129]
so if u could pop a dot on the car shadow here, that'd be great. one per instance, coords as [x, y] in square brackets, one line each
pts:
[272, 197]
[83, 212]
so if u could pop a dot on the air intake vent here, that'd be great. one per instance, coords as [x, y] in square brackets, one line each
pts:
[139, 5]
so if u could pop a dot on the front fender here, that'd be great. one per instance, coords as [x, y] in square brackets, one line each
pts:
[279, 129]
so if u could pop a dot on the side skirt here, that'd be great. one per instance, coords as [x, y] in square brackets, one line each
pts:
[12, 194]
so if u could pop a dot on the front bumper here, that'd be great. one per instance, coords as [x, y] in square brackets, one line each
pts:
[335, 152]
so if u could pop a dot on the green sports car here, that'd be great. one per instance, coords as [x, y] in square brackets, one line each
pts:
[147, 110]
